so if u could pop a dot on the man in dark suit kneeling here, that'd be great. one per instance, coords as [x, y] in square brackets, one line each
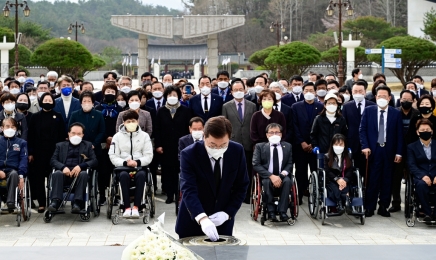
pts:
[213, 181]
[273, 162]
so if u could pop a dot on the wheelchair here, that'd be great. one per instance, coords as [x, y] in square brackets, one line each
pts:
[90, 198]
[258, 202]
[147, 208]
[22, 201]
[323, 207]
[412, 206]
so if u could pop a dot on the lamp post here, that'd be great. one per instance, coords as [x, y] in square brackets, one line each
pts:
[6, 13]
[340, 4]
[278, 26]
[76, 26]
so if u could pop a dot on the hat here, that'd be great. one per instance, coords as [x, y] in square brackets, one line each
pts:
[329, 96]
[29, 81]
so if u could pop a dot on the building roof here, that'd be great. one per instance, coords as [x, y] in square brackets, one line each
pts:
[177, 52]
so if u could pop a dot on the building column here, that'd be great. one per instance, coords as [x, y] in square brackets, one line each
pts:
[143, 64]
[212, 55]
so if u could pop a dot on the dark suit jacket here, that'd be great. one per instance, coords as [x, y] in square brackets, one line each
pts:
[184, 142]
[419, 165]
[394, 131]
[216, 106]
[421, 92]
[253, 98]
[197, 184]
[352, 117]
[287, 112]
[150, 103]
[301, 121]
[59, 107]
[336, 170]
[262, 155]
[87, 156]
[229, 95]
[289, 100]
[240, 130]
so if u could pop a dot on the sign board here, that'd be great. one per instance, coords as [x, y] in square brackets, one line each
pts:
[373, 51]
[393, 51]
[394, 60]
[389, 56]
[393, 65]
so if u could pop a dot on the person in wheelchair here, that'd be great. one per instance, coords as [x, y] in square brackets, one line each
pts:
[339, 172]
[131, 147]
[273, 162]
[421, 160]
[13, 159]
[71, 160]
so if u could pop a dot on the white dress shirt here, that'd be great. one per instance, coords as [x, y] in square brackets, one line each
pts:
[158, 100]
[362, 106]
[385, 116]
[279, 106]
[208, 101]
[280, 152]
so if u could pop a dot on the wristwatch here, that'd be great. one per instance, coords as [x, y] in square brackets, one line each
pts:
[20, 176]
[336, 178]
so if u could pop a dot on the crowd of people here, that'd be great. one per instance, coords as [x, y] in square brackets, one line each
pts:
[64, 124]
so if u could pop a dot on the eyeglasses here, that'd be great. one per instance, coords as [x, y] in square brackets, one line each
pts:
[125, 84]
[274, 133]
[214, 146]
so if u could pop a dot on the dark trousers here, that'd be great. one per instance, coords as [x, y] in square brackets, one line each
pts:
[381, 166]
[59, 180]
[422, 190]
[170, 166]
[284, 194]
[153, 167]
[12, 184]
[303, 159]
[249, 163]
[397, 175]
[360, 162]
[334, 193]
[139, 179]
[104, 173]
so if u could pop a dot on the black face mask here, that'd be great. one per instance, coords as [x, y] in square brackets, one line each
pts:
[47, 106]
[109, 98]
[425, 135]
[22, 106]
[424, 110]
[406, 104]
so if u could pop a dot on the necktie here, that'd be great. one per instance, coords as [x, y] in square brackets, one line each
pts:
[217, 173]
[298, 97]
[240, 111]
[381, 128]
[359, 107]
[206, 107]
[158, 104]
[275, 160]
[196, 140]
[222, 93]
[276, 107]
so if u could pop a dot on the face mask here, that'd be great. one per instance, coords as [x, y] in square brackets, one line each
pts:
[382, 102]
[131, 127]
[66, 91]
[205, 91]
[275, 139]
[57, 91]
[6, 89]
[420, 86]
[157, 94]
[197, 135]
[75, 140]
[125, 89]
[109, 98]
[9, 107]
[32, 98]
[166, 84]
[172, 100]
[406, 105]
[424, 110]
[434, 93]
[216, 153]
[331, 108]
[121, 103]
[297, 89]
[285, 91]
[22, 106]
[278, 96]
[52, 84]
[321, 93]
[238, 94]
[14, 91]
[358, 98]
[47, 106]
[258, 89]
[21, 79]
[338, 149]
[134, 105]
[223, 84]
[332, 91]
[309, 96]
[86, 107]
[413, 91]
[346, 97]
[425, 135]
[77, 88]
[360, 76]
[42, 78]
[267, 104]
[9, 132]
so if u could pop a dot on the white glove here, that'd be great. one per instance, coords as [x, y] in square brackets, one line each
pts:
[219, 218]
[209, 229]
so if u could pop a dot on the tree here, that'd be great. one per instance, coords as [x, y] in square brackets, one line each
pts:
[294, 58]
[331, 56]
[322, 41]
[111, 55]
[63, 56]
[259, 58]
[24, 55]
[430, 24]
[97, 62]
[416, 53]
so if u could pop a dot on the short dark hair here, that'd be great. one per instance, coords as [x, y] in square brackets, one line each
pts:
[296, 78]
[377, 75]
[18, 71]
[13, 121]
[43, 96]
[407, 91]
[218, 127]
[170, 89]
[106, 75]
[383, 87]
[44, 82]
[361, 82]
[196, 120]
[424, 121]
[108, 85]
[285, 80]
[8, 79]
[334, 82]
[77, 124]
[204, 77]
[354, 72]
[273, 125]
[225, 73]
[237, 80]
[13, 81]
[146, 74]
[28, 99]
[376, 84]
[267, 92]
[157, 82]
[87, 83]
[131, 94]
[264, 79]
[320, 82]
[7, 96]
[418, 104]
[78, 80]
[250, 82]
[85, 94]
[309, 84]
[418, 77]
[130, 114]
[410, 82]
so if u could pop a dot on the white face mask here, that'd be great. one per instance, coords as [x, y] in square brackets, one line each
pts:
[309, 96]
[258, 89]
[338, 149]
[32, 98]
[360, 76]
[6, 89]
[121, 103]
[57, 91]
[75, 140]
[381, 102]
[251, 90]
[223, 84]
[278, 96]
[52, 84]
[172, 100]
[331, 108]
[134, 105]
[434, 93]
[14, 91]
[42, 78]
[216, 153]
[9, 107]
[157, 94]
[9, 132]
[21, 79]
[419, 86]
[275, 139]
[77, 88]
[166, 84]
[358, 98]
[346, 97]
[238, 94]
[205, 90]
[40, 93]
[321, 93]
[197, 135]
[297, 90]
[125, 89]
[332, 91]
[285, 91]
[86, 107]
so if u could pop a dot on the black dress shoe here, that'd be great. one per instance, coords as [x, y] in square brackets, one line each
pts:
[10, 205]
[76, 208]
[283, 216]
[394, 209]
[383, 212]
[300, 202]
[340, 208]
[306, 193]
[272, 217]
[247, 200]
[41, 209]
[54, 205]
[169, 200]
[427, 218]
[369, 213]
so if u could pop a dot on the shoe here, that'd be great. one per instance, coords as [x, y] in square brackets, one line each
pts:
[127, 212]
[135, 212]
[394, 209]
[163, 193]
[247, 200]
[369, 213]
[306, 193]
[427, 218]
[340, 208]
[102, 201]
[41, 209]
[348, 207]
[54, 205]
[283, 216]
[10, 205]
[300, 202]
[169, 200]
[32, 205]
[76, 207]
[403, 181]
[383, 212]
[272, 217]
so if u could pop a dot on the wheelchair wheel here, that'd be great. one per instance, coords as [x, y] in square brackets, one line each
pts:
[408, 198]
[18, 219]
[85, 217]
[95, 195]
[256, 197]
[152, 202]
[47, 217]
[27, 201]
[145, 219]
[111, 198]
[323, 216]
[410, 222]
[291, 222]
[262, 220]
[313, 199]
[362, 219]
[115, 219]
[295, 197]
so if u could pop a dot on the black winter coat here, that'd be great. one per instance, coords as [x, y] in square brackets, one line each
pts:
[323, 131]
